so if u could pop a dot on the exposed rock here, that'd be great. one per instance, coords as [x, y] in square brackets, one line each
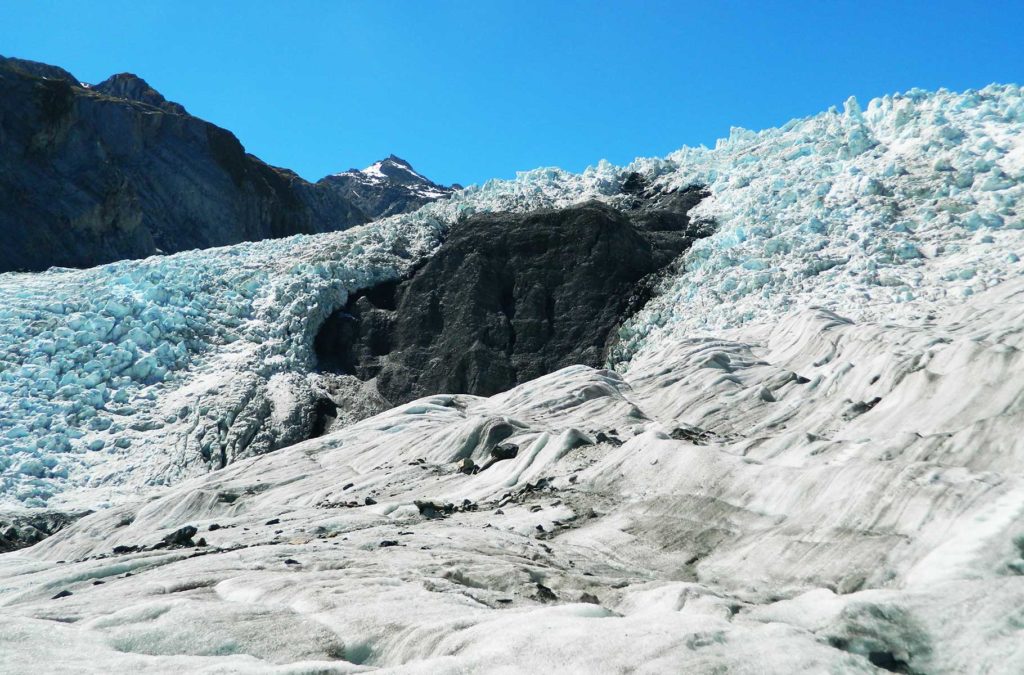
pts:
[180, 538]
[501, 453]
[134, 88]
[23, 529]
[505, 451]
[90, 175]
[545, 594]
[432, 510]
[510, 297]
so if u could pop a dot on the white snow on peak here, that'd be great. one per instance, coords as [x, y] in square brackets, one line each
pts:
[374, 170]
[376, 173]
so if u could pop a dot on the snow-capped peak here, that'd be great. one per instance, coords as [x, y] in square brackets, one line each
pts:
[392, 168]
[391, 174]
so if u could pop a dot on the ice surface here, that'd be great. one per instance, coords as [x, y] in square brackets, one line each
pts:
[807, 459]
[750, 518]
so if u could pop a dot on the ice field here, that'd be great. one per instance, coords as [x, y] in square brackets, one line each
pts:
[804, 456]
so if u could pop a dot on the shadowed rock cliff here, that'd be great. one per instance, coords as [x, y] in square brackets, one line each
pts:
[510, 297]
[93, 174]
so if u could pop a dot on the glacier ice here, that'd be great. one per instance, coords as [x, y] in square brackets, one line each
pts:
[142, 372]
[810, 495]
[870, 213]
[807, 457]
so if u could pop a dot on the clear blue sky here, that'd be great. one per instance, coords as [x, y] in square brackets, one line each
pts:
[470, 90]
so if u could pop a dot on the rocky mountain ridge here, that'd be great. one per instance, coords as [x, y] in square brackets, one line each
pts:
[90, 174]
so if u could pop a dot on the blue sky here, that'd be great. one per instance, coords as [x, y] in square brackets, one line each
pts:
[471, 90]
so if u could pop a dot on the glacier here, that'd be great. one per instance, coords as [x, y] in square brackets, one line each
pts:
[803, 456]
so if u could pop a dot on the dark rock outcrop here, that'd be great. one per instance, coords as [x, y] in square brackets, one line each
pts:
[510, 297]
[21, 530]
[94, 174]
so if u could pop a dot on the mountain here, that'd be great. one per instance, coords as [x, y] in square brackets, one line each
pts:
[387, 187]
[91, 174]
[750, 408]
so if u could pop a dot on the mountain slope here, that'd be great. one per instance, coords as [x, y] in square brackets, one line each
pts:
[94, 174]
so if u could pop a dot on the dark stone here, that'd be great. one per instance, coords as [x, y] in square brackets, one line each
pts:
[505, 451]
[180, 538]
[289, 561]
[273, 521]
[120, 550]
[201, 542]
[430, 509]
[545, 594]
[213, 527]
[388, 542]
[370, 501]
[62, 594]
[90, 175]
[887, 661]
[21, 530]
[590, 599]
[467, 466]
[510, 297]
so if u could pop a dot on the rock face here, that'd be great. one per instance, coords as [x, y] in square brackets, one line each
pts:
[510, 297]
[90, 175]
[21, 530]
